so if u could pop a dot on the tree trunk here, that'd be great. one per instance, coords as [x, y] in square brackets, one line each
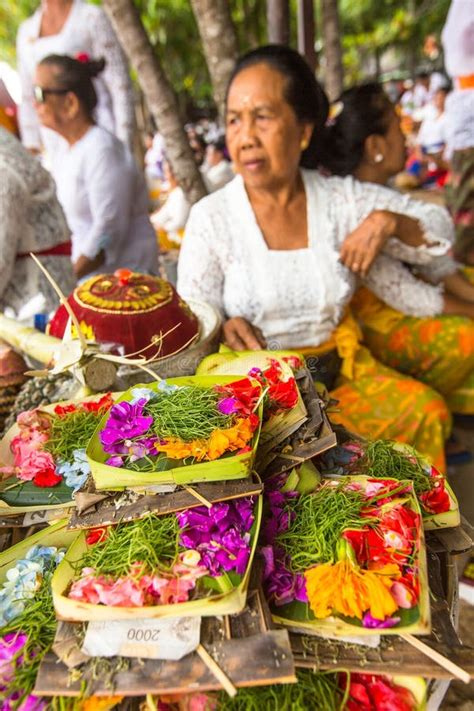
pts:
[159, 94]
[332, 48]
[306, 30]
[219, 41]
[278, 21]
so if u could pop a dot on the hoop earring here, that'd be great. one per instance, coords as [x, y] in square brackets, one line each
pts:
[378, 158]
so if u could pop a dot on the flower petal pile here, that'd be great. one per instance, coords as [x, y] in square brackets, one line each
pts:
[220, 534]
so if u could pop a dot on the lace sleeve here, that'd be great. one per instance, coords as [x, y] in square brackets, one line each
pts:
[27, 118]
[200, 272]
[392, 282]
[115, 75]
[435, 221]
[439, 268]
[12, 201]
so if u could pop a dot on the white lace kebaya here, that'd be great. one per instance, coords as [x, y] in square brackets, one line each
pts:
[298, 297]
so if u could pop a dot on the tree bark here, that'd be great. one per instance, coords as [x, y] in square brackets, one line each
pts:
[306, 31]
[219, 41]
[278, 21]
[332, 48]
[159, 94]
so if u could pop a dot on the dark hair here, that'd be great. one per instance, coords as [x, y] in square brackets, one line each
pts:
[76, 76]
[365, 111]
[303, 93]
[219, 144]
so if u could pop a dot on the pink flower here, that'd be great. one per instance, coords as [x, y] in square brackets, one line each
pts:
[402, 595]
[34, 464]
[25, 442]
[33, 419]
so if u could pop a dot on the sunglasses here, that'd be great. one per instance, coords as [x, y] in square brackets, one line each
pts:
[40, 94]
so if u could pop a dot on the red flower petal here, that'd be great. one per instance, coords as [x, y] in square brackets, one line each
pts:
[46, 478]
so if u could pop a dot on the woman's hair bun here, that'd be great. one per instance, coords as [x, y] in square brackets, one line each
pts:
[95, 66]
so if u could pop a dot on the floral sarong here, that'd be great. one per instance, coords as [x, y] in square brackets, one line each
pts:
[438, 351]
[377, 402]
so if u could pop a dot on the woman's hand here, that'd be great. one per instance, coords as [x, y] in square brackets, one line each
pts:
[240, 335]
[84, 265]
[362, 246]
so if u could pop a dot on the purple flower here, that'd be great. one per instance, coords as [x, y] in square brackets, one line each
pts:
[228, 405]
[10, 646]
[115, 461]
[32, 703]
[125, 421]
[281, 585]
[374, 623]
[220, 534]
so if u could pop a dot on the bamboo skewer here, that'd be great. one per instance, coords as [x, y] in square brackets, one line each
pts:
[216, 670]
[197, 495]
[447, 664]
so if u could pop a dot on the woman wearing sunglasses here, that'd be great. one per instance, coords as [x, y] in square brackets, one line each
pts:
[99, 186]
[76, 28]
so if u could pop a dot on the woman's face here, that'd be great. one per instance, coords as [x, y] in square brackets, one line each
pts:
[263, 133]
[55, 111]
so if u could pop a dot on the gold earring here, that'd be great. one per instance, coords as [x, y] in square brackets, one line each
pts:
[304, 144]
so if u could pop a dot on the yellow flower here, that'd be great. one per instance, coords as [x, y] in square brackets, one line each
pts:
[343, 588]
[100, 703]
[220, 441]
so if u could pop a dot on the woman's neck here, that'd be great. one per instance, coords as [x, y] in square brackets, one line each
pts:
[49, 6]
[75, 131]
[54, 15]
[278, 194]
[367, 173]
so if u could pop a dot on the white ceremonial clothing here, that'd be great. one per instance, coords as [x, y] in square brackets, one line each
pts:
[105, 200]
[31, 220]
[87, 30]
[298, 297]
[174, 213]
[458, 44]
[432, 134]
[216, 176]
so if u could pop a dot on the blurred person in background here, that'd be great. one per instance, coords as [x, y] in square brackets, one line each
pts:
[169, 221]
[31, 221]
[76, 28]
[102, 192]
[216, 169]
[458, 43]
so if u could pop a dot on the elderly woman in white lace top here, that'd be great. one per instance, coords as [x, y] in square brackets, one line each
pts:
[31, 220]
[278, 250]
[431, 337]
[74, 27]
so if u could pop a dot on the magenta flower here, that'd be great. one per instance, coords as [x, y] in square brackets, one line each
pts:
[281, 585]
[220, 534]
[125, 422]
[228, 405]
[10, 646]
[373, 623]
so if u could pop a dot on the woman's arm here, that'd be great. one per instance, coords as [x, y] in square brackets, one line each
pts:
[84, 266]
[394, 283]
[458, 284]
[385, 220]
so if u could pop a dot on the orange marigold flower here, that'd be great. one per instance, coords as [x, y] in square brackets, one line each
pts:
[345, 589]
[221, 441]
